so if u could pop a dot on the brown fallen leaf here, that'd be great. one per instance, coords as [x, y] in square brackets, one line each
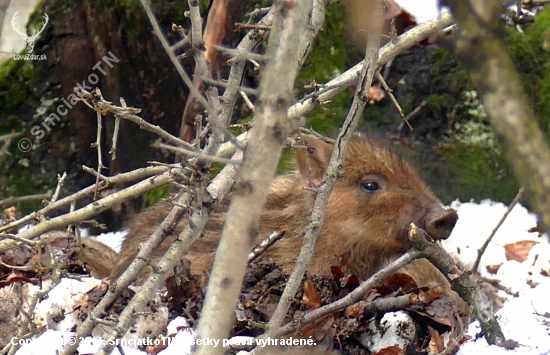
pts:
[376, 94]
[390, 350]
[395, 282]
[519, 251]
[493, 269]
[356, 310]
[310, 298]
[436, 342]
[163, 344]
[317, 330]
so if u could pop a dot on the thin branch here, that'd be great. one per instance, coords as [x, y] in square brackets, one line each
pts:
[99, 156]
[127, 113]
[242, 55]
[225, 85]
[353, 296]
[115, 131]
[265, 244]
[481, 250]
[194, 153]
[173, 58]
[60, 182]
[246, 26]
[249, 103]
[390, 93]
[412, 114]
[10, 200]
[313, 133]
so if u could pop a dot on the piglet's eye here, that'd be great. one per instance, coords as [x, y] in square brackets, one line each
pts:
[370, 186]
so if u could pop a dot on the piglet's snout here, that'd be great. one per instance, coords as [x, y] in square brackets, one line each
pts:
[440, 222]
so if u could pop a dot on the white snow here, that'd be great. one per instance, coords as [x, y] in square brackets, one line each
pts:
[422, 10]
[113, 239]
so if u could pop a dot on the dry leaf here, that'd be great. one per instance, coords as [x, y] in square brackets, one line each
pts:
[356, 310]
[431, 294]
[519, 251]
[310, 298]
[493, 269]
[376, 94]
[436, 342]
[391, 350]
[316, 330]
[395, 282]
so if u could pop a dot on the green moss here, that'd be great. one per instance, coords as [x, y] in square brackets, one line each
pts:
[533, 63]
[479, 173]
[326, 60]
[16, 93]
[154, 196]
[376, 113]
[18, 180]
[12, 123]
[440, 58]
[328, 57]
[441, 64]
[329, 117]
[286, 161]
[438, 101]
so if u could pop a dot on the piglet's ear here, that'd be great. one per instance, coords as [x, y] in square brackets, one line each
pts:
[313, 159]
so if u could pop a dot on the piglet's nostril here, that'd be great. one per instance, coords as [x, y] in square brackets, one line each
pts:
[441, 223]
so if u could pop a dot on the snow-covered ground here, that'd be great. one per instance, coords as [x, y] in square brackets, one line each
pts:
[524, 319]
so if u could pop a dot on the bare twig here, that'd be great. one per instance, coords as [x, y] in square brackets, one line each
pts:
[99, 156]
[10, 200]
[175, 60]
[265, 244]
[249, 103]
[28, 328]
[60, 182]
[96, 102]
[390, 93]
[246, 26]
[412, 114]
[481, 250]
[6, 139]
[194, 153]
[129, 275]
[353, 296]
[313, 133]
[137, 174]
[224, 84]
[240, 54]
[423, 247]
[115, 131]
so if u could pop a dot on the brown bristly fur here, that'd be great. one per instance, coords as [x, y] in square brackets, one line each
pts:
[369, 226]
